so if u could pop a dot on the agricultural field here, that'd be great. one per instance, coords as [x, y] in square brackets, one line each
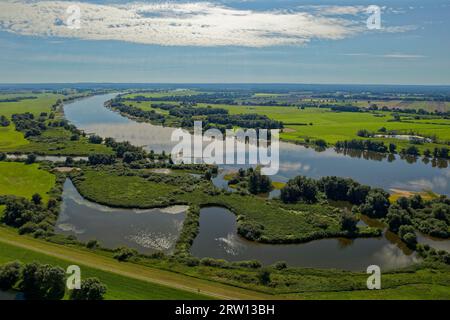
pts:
[322, 123]
[24, 180]
[53, 141]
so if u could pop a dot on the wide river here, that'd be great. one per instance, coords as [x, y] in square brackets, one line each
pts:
[217, 237]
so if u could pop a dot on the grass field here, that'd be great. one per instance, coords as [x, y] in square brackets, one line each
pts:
[9, 137]
[25, 180]
[321, 123]
[53, 141]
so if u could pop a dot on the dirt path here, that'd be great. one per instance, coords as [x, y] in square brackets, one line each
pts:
[152, 275]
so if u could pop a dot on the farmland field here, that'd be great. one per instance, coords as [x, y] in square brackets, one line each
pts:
[25, 180]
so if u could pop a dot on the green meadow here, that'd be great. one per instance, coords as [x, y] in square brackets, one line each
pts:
[9, 137]
[17, 178]
[322, 123]
[53, 141]
[119, 286]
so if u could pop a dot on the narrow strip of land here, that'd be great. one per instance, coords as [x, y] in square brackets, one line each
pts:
[139, 272]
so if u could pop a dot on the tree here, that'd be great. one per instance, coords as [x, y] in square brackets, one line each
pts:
[349, 223]
[43, 282]
[376, 204]
[299, 188]
[9, 275]
[441, 211]
[69, 161]
[2, 156]
[408, 235]
[36, 198]
[92, 244]
[124, 254]
[264, 276]
[94, 139]
[31, 158]
[4, 122]
[208, 175]
[91, 289]
[396, 218]
[392, 147]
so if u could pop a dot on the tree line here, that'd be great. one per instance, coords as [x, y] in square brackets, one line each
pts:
[46, 282]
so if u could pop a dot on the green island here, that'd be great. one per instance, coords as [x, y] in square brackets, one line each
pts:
[120, 175]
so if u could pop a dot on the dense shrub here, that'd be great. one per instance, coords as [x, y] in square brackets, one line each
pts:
[91, 289]
[42, 282]
[9, 275]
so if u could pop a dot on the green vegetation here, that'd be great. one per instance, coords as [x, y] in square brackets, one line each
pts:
[318, 122]
[119, 286]
[133, 280]
[24, 180]
[38, 126]
[258, 219]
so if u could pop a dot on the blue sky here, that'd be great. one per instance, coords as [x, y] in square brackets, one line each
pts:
[225, 41]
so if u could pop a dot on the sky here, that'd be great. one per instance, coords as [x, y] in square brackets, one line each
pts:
[228, 41]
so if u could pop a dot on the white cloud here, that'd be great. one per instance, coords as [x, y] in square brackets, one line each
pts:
[388, 55]
[181, 24]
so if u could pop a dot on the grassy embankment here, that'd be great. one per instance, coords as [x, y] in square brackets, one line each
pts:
[152, 278]
[53, 141]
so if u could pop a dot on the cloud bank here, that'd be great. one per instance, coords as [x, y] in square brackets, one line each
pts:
[180, 24]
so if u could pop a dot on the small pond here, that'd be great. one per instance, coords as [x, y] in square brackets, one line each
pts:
[218, 239]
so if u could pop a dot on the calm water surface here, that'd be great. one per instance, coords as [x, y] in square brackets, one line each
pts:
[147, 231]
[218, 238]
[91, 116]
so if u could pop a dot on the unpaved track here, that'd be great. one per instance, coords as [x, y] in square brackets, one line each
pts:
[143, 273]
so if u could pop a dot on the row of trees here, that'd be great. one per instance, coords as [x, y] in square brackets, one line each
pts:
[136, 112]
[46, 282]
[252, 180]
[369, 145]
[27, 124]
[429, 217]
[4, 122]
[372, 202]
[30, 216]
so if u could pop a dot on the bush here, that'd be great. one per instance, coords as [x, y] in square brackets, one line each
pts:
[124, 254]
[36, 198]
[280, 265]
[31, 158]
[94, 139]
[92, 244]
[9, 275]
[252, 264]
[211, 262]
[299, 188]
[91, 289]
[43, 282]
[264, 276]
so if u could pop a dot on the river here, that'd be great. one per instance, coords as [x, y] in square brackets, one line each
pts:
[217, 237]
